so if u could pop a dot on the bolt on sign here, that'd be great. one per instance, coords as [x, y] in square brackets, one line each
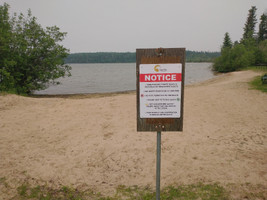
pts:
[160, 89]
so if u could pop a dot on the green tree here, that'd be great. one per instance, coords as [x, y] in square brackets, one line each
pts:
[37, 57]
[250, 24]
[242, 57]
[227, 42]
[6, 80]
[222, 63]
[262, 53]
[233, 59]
[262, 34]
[250, 51]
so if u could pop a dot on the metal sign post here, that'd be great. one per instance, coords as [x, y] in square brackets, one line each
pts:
[160, 94]
[158, 165]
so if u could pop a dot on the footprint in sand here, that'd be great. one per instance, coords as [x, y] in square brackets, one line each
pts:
[108, 135]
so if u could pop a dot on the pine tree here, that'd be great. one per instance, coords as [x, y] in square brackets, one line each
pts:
[249, 28]
[262, 34]
[227, 42]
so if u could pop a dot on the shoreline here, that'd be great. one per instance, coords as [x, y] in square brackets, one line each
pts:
[82, 95]
[106, 94]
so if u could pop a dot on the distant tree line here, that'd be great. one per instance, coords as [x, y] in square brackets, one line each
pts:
[250, 50]
[130, 57]
[101, 57]
[201, 56]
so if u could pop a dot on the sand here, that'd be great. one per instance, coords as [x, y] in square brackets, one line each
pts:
[91, 141]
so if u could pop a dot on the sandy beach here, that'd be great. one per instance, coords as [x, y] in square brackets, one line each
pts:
[90, 141]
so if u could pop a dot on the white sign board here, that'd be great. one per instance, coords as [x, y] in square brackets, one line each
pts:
[160, 90]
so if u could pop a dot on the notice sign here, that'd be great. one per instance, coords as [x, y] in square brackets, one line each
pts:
[160, 90]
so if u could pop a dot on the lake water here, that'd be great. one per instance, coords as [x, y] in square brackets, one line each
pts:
[115, 77]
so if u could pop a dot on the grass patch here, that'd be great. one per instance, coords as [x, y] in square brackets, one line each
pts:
[4, 93]
[256, 68]
[3, 182]
[185, 192]
[27, 192]
[197, 191]
[257, 84]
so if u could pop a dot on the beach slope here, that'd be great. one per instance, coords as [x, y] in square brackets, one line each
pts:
[92, 142]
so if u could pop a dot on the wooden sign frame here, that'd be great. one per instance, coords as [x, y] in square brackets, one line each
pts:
[159, 56]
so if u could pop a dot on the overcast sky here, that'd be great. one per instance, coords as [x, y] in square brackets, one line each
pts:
[125, 25]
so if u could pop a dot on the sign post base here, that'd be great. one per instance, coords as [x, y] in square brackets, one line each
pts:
[158, 165]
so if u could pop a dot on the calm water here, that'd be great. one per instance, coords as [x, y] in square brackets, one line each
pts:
[115, 77]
